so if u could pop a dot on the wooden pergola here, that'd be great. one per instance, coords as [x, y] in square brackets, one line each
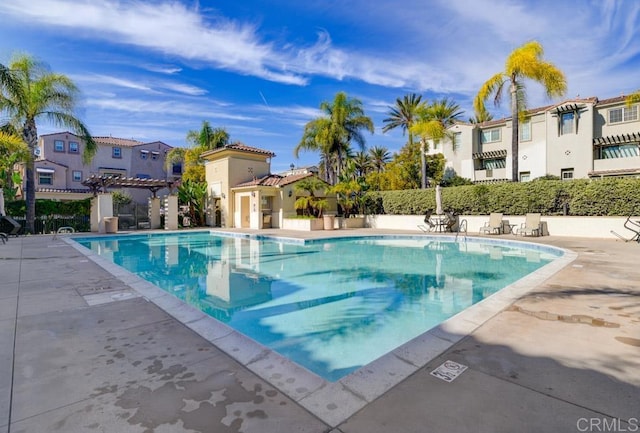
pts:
[97, 183]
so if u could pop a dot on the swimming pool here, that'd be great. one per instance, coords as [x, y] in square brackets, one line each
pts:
[330, 305]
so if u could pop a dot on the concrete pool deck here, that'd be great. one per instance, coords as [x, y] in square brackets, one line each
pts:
[82, 352]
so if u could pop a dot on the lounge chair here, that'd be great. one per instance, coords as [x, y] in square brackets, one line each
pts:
[632, 225]
[428, 224]
[4, 238]
[494, 225]
[9, 226]
[531, 225]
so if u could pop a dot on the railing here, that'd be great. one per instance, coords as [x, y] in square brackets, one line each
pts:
[462, 228]
[51, 223]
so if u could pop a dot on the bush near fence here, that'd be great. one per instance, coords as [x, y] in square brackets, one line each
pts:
[580, 197]
[51, 214]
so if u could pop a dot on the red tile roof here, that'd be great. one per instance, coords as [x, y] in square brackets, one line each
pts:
[275, 180]
[114, 141]
[241, 147]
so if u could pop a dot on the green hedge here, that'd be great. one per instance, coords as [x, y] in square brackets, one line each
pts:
[46, 207]
[606, 197]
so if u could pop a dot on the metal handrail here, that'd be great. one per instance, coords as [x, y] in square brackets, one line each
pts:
[462, 228]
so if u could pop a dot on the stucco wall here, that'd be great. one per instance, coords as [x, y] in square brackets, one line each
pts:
[571, 226]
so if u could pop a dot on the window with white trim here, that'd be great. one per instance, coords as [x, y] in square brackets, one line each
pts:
[566, 174]
[144, 154]
[525, 131]
[525, 176]
[566, 123]
[58, 146]
[45, 178]
[623, 114]
[154, 155]
[77, 175]
[490, 135]
[74, 147]
[457, 141]
[116, 152]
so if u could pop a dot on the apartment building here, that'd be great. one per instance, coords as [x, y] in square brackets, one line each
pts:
[60, 169]
[578, 138]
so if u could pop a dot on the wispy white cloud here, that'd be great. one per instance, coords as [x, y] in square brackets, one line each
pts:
[147, 85]
[182, 88]
[167, 108]
[169, 70]
[167, 27]
[443, 46]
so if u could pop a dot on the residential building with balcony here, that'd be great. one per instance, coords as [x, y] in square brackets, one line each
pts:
[578, 138]
[59, 169]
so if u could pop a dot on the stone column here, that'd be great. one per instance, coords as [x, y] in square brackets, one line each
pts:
[154, 213]
[171, 212]
[101, 208]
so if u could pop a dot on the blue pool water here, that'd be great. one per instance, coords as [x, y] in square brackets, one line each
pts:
[331, 306]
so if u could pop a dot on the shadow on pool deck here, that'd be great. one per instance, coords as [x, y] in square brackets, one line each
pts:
[82, 352]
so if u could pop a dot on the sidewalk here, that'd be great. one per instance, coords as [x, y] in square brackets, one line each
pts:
[82, 352]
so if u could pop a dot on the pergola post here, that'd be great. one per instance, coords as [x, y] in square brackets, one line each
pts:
[154, 213]
[171, 212]
[101, 208]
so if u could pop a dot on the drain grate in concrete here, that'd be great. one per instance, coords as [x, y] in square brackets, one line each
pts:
[449, 371]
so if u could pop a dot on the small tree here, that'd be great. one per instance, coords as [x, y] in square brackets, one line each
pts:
[349, 196]
[194, 195]
[12, 151]
[309, 203]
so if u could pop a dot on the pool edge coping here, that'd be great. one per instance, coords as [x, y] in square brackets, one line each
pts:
[335, 402]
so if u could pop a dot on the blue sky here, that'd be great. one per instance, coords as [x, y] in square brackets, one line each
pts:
[152, 70]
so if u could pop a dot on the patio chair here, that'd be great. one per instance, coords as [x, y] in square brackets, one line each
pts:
[428, 224]
[531, 225]
[494, 225]
[633, 226]
[9, 226]
[4, 238]
[451, 223]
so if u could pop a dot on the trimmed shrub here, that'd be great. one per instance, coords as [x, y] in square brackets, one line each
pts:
[582, 197]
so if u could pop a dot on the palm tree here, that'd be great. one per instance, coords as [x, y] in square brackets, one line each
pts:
[403, 115]
[379, 157]
[633, 98]
[482, 117]
[432, 123]
[332, 134]
[362, 163]
[30, 91]
[524, 62]
[207, 138]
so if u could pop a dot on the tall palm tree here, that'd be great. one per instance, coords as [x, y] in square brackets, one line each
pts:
[432, 123]
[482, 117]
[362, 162]
[379, 157]
[524, 62]
[403, 115]
[332, 134]
[207, 138]
[633, 98]
[29, 91]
